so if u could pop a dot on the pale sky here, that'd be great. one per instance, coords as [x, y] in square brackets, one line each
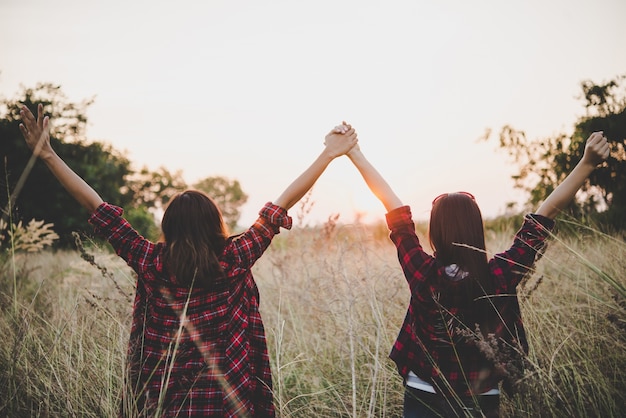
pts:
[248, 89]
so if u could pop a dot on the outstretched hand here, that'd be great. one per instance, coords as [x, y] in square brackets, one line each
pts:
[597, 149]
[36, 132]
[340, 140]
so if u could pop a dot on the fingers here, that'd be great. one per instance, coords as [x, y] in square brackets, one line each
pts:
[27, 121]
[26, 127]
[606, 152]
[40, 116]
[34, 129]
[27, 116]
[604, 149]
[595, 137]
[29, 124]
[343, 128]
[349, 142]
[342, 138]
[23, 130]
[599, 145]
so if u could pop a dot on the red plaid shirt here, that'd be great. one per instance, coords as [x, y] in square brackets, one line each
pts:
[456, 365]
[196, 353]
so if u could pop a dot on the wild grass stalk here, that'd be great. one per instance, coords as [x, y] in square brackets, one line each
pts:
[4, 225]
[332, 301]
[571, 322]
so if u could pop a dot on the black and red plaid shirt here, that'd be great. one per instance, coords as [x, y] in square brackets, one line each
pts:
[202, 352]
[457, 366]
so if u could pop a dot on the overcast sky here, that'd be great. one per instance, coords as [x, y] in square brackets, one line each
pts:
[248, 89]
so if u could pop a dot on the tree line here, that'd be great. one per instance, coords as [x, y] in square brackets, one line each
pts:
[544, 163]
[28, 191]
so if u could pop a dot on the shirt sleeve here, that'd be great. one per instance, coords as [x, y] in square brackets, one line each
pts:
[108, 222]
[249, 246]
[414, 260]
[529, 243]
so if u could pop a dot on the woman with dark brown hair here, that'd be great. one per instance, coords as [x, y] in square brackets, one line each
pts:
[460, 299]
[197, 346]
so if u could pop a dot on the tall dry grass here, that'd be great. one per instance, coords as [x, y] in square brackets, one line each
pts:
[332, 300]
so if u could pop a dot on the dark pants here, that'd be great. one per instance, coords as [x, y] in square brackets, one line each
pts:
[421, 404]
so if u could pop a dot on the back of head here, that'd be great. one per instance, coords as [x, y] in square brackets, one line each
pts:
[195, 235]
[456, 233]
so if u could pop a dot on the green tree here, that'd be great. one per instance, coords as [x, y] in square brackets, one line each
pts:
[41, 196]
[227, 194]
[33, 193]
[154, 189]
[106, 169]
[545, 162]
[151, 191]
[606, 111]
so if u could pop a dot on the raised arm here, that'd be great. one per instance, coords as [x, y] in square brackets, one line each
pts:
[374, 180]
[596, 150]
[337, 143]
[36, 132]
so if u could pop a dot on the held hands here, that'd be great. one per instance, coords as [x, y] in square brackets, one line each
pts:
[596, 149]
[36, 132]
[345, 126]
[340, 140]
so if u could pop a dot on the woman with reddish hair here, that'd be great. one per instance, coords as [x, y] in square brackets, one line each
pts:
[197, 345]
[460, 299]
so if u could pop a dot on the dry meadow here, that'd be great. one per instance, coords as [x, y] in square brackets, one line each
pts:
[332, 299]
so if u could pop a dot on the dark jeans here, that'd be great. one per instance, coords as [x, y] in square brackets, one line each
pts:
[421, 404]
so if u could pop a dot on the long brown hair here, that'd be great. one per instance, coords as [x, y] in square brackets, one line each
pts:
[457, 235]
[195, 235]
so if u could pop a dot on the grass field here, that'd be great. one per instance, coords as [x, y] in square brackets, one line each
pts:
[332, 300]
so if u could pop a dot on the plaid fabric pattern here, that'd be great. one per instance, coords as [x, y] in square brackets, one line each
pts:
[202, 352]
[451, 366]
